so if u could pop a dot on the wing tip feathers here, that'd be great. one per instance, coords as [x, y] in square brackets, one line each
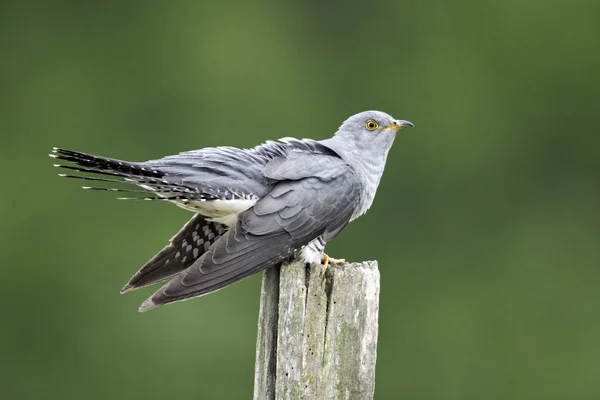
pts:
[147, 305]
[127, 288]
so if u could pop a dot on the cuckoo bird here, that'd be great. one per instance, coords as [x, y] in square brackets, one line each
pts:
[254, 208]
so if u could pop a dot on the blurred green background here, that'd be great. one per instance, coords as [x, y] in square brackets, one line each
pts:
[486, 224]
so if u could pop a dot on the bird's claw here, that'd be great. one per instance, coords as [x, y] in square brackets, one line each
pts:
[326, 260]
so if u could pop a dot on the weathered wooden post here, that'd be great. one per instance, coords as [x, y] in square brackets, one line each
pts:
[317, 332]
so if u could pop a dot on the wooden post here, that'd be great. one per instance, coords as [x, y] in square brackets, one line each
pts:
[317, 332]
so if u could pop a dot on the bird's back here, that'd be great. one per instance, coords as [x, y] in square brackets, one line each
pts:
[231, 172]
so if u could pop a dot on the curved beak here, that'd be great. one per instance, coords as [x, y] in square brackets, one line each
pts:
[404, 124]
[399, 124]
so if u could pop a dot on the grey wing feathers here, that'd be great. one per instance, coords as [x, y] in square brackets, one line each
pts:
[196, 236]
[295, 212]
[221, 170]
[297, 165]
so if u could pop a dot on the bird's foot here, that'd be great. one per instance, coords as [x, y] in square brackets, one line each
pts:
[326, 260]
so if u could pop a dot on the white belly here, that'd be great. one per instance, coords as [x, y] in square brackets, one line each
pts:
[221, 211]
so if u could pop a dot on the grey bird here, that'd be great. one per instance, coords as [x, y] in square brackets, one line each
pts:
[254, 207]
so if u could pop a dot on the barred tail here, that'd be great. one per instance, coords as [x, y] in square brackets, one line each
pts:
[104, 165]
[185, 247]
[152, 180]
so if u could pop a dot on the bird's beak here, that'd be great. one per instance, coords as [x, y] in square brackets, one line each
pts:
[399, 124]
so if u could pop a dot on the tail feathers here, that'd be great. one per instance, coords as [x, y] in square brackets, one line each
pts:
[105, 164]
[152, 180]
[185, 247]
[162, 187]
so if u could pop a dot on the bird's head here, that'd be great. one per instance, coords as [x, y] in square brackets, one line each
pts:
[369, 132]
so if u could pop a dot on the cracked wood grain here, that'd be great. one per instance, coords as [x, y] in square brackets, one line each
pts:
[317, 332]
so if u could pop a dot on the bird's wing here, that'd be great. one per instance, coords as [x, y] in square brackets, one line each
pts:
[184, 248]
[315, 195]
[233, 172]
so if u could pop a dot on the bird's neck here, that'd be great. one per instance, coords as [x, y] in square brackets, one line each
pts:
[368, 166]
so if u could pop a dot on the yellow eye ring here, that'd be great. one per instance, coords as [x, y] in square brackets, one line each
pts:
[371, 125]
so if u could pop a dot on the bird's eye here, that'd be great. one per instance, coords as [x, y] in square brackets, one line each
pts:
[371, 125]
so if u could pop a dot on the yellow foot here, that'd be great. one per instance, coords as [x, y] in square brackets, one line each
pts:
[326, 260]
